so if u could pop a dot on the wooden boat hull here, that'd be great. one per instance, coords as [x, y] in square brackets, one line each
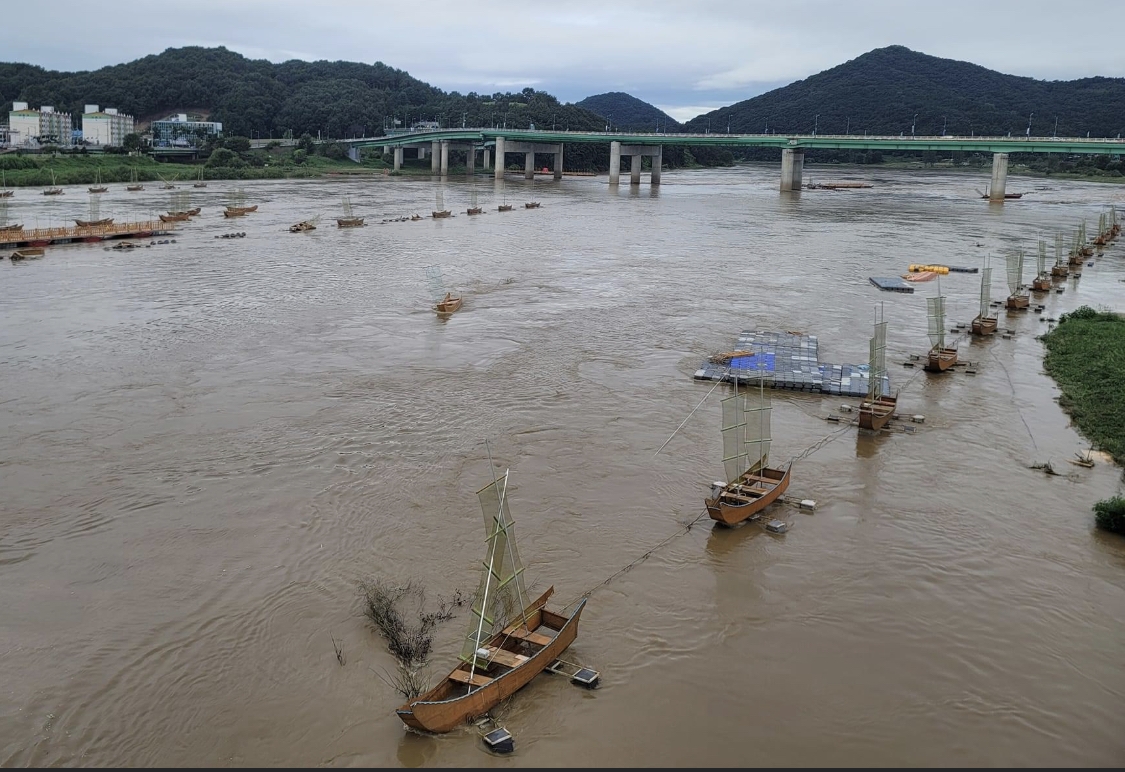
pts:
[940, 361]
[177, 217]
[28, 253]
[474, 210]
[10, 228]
[723, 509]
[1018, 302]
[199, 185]
[532, 205]
[441, 214]
[55, 192]
[447, 706]
[7, 193]
[134, 188]
[874, 415]
[234, 211]
[97, 190]
[93, 223]
[504, 208]
[229, 213]
[448, 306]
[1041, 285]
[349, 222]
[984, 326]
[1060, 271]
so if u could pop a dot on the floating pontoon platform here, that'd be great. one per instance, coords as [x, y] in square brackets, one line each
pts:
[790, 361]
[891, 284]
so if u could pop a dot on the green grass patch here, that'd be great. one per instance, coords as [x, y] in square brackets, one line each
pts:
[1110, 514]
[1086, 357]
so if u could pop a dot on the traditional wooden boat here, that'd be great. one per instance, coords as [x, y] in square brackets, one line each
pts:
[1018, 300]
[93, 223]
[752, 484]
[416, 217]
[174, 217]
[53, 192]
[877, 409]
[194, 211]
[199, 183]
[983, 324]
[8, 228]
[27, 253]
[134, 188]
[474, 210]
[98, 187]
[448, 304]
[238, 210]
[443, 213]
[301, 227]
[1042, 280]
[531, 205]
[349, 220]
[511, 639]
[133, 185]
[940, 357]
[504, 208]
[4, 192]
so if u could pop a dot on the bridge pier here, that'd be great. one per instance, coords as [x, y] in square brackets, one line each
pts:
[445, 158]
[635, 169]
[792, 165]
[354, 154]
[657, 164]
[398, 158]
[529, 165]
[435, 156]
[486, 161]
[498, 171]
[559, 162]
[470, 160]
[635, 153]
[999, 177]
[421, 152]
[614, 162]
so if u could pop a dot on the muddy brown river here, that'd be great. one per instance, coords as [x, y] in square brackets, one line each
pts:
[205, 445]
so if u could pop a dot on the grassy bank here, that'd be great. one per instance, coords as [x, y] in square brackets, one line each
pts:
[1086, 356]
[36, 170]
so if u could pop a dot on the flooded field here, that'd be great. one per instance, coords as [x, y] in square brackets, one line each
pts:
[205, 445]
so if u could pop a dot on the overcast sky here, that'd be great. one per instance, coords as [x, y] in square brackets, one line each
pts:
[685, 57]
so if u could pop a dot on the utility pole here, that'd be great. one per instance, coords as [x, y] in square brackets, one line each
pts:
[913, 123]
[944, 123]
[848, 130]
[1029, 125]
[815, 123]
[1055, 131]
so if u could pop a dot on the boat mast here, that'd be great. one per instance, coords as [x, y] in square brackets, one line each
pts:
[985, 287]
[937, 320]
[877, 366]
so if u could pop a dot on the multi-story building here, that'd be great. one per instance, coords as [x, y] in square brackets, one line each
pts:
[178, 131]
[44, 126]
[105, 127]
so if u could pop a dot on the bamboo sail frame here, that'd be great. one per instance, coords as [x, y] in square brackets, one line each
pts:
[935, 317]
[985, 288]
[877, 361]
[1041, 261]
[1015, 271]
[746, 431]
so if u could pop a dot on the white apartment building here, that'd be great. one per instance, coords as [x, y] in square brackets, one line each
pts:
[105, 127]
[44, 126]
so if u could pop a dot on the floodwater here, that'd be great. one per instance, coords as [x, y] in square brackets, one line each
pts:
[205, 445]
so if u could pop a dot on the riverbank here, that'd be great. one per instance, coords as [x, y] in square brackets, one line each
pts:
[36, 171]
[1086, 357]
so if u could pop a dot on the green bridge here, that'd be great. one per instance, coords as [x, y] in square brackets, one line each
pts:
[637, 145]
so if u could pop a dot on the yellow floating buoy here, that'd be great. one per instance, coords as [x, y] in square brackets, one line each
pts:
[942, 269]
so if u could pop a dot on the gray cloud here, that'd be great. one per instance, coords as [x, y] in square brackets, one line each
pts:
[681, 56]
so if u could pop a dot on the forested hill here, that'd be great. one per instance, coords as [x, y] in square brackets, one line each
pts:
[337, 99]
[629, 113]
[880, 92]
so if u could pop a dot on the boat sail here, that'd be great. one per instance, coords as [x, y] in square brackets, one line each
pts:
[133, 185]
[1042, 280]
[473, 208]
[751, 483]
[4, 192]
[940, 357]
[1017, 300]
[879, 407]
[444, 302]
[440, 212]
[985, 324]
[1060, 270]
[349, 220]
[511, 638]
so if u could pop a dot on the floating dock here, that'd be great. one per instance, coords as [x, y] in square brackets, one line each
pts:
[962, 269]
[789, 361]
[46, 237]
[890, 284]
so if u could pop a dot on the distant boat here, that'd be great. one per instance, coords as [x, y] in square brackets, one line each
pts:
[531, 205]
[1006, 195]
[174, 217]
[199, 183]
[752, 484]
[1017, 299]
[442, 213]
[27, 253]
[9, 228]
[93, 223]
[98, 187]
[940, 357]
[878, 408]
[1060, 270]
[53, 191]
[349, 220]
[238, 209]
[1042, 280]
[301, 227]
[448, 304]
[94, 219]
[4, 192]
[504, 208]
[134, 186]
[511, 638]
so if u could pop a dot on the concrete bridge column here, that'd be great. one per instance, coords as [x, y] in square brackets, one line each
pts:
[529, 165]
[635, 169]
[354, 154]
[999, 176]
[657, 162]
[435, 156]
[421, 152]
[614, 163]
[498, 172]
[444, 158]
[398, 158]
[792, 164]
[470, 160]
[559, 162]
[487, 159]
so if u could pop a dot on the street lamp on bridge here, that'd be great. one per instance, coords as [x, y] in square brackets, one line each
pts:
[944, 123]
[848, 130]
[1028, 133]
[913, 123]
[815, 122]
[1055, 130]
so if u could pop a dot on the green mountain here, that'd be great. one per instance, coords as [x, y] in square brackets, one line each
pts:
[629, 113]
[336, 99]
[881, 91]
